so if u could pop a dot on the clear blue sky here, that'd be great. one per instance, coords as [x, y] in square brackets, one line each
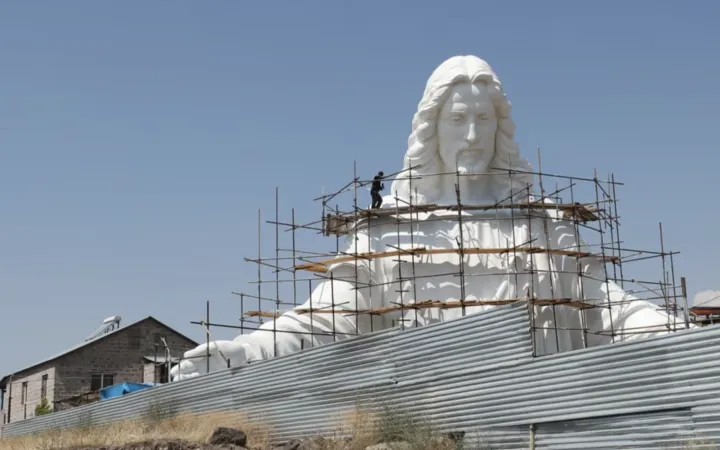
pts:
[138, 139]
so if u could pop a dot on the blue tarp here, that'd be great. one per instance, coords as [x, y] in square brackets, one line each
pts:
[118, 390]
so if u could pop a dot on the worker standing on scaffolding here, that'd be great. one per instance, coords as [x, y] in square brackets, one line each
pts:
[377, 186]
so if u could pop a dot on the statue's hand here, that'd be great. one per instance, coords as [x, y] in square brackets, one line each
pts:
[195, 361]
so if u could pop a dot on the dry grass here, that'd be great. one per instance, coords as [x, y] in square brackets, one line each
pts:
[361, 429]
[192, 428]
[357, 430]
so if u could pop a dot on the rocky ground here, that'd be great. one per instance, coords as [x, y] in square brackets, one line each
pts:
[385, 429]
[233, 439]
[185, 445]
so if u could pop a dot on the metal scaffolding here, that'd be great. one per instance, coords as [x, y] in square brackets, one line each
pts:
[596, 216]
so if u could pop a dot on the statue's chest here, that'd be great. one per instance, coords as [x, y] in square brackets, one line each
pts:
[431, 247]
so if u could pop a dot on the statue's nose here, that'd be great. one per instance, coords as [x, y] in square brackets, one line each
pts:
[471, 134]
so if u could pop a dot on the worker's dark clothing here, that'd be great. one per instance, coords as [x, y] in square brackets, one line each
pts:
[377, 186]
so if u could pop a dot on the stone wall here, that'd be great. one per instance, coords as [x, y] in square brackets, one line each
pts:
[119, 354]
[153, 373]
[149, 373]
[19, 410]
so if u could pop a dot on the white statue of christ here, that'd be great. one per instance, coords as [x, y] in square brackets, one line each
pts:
[462, 124]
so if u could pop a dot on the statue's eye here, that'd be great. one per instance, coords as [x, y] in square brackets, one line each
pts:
[483, 116]
[457, 117]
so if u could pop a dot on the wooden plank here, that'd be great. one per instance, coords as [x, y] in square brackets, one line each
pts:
[321, 266]
[577, 208]
[268, 314]
[337, 223]
[429, 304]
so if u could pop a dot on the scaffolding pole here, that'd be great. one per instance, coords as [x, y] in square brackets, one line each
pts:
[597, 217]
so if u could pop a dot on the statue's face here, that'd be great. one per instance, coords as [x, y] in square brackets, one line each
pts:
[466, 128]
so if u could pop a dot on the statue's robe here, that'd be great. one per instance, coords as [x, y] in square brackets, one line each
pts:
[370, 283]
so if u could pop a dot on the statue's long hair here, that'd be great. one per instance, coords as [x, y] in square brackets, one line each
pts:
[422, 150]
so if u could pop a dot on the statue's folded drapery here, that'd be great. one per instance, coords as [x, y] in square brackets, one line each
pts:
[520, 269]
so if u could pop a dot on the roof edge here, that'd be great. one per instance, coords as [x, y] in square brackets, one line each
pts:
[99, 338]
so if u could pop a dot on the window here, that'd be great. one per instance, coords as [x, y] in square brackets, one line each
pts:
[24, 399]
[135, 338]
[101, 380]
[43, 387]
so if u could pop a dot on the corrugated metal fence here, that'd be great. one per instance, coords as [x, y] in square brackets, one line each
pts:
[475, 374]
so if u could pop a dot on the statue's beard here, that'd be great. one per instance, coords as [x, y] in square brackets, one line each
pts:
[472, 162]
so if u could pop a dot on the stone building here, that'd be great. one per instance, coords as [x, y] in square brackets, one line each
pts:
[137, 353]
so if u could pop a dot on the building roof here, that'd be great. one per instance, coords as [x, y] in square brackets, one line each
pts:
[707, 299]
[91, 342]
[706, 303]
[160, 359]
